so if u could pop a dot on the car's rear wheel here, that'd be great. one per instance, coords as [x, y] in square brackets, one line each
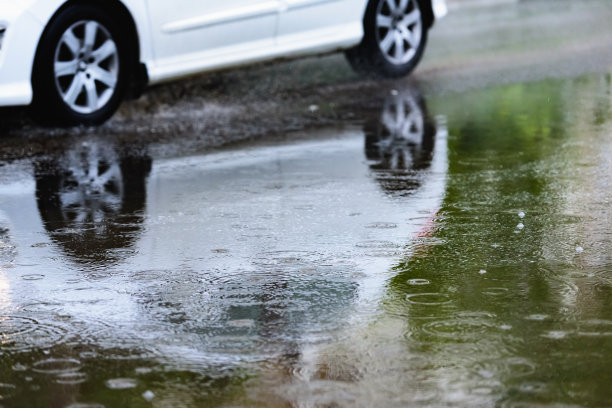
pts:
[81, 67]
[394, 39]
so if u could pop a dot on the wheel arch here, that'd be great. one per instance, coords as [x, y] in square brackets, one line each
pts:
[428, 13]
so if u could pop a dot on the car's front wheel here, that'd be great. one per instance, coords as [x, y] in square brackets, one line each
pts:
[81, 67]
[394, 39]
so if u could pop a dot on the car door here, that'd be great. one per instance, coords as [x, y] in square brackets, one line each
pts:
[189, 35]
[317, 22]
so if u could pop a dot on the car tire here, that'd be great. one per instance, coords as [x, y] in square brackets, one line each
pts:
[395, 34]
[81, 67]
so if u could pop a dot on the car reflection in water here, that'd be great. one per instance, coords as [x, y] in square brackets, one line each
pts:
[92, 200]
[247, 261]
[400, 143]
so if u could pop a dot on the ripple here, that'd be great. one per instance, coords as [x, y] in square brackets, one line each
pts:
[511, 367]
[33, 277]
[22, 334]
[57, 366]
[71, 378]
[377, 244]
[85, 405]
[430, 299]
[418, 282]
[538, 317]
[383, 254]
[495, 291]
[381, 225]
[459, 328]
[121, 383]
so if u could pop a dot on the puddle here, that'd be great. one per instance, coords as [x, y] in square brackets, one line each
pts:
[462, 232]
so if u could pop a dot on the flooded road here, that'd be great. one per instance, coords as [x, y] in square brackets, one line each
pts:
[448, 252]
[442, 241]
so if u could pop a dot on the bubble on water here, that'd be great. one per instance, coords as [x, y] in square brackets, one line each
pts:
[482, 271]
[56, 366]
[521, 214]
[429, 299]
[33, 277]
[520, 226]
[579, 249]
[313, 108]
[121, 383]
[394, 92]
[22, 334]
[148, 395]
[418, 282]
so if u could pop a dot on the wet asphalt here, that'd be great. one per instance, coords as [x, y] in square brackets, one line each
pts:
[291, 234]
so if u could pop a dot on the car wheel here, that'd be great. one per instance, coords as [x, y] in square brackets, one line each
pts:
[394, 39]
[81, 67]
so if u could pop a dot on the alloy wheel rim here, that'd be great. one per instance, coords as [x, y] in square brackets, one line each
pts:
[86, 66]
[399, 29]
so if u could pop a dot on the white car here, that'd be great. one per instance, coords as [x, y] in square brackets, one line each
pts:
[73, 61]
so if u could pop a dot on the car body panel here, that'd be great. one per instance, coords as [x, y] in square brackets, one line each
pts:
[184, 37]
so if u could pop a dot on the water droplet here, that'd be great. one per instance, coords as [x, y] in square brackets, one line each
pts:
[418, 282]
[148, 395]
[521, 214]
[121, 383]
[430, 299]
